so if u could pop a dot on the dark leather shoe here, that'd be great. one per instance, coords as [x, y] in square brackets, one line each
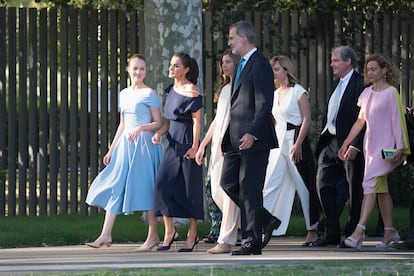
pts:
[405, 245]
[247, 249]
[325, 242]
[209, 239]
[268, 228]
[342, 244]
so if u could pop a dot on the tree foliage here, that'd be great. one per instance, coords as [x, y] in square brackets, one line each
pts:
[364, 6]
[126, 5]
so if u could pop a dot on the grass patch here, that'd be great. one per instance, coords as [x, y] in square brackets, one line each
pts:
[302, 268]
[77, 229]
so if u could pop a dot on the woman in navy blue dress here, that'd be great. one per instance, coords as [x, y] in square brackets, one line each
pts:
[179, 183]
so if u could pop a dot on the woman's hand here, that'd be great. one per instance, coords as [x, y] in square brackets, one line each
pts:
[134, 134]
[347, 153]
[296, 153]
[342, 152]
[199, 155]
[191, 153]
[397, 159]
[107, 158]
[155, 138]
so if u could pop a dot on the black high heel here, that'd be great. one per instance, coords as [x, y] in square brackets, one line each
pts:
[190, 249]
[167, 247]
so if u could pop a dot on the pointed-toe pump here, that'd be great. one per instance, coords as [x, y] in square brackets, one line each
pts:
[174, 238]
[190, 249]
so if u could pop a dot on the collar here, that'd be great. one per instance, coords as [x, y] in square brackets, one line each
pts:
[249, 54]
[346, 78]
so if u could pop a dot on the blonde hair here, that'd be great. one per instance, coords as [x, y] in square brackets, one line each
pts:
[286, 64]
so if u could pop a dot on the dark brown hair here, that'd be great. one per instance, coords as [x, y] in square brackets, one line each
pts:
[188, 61]
[223, 78]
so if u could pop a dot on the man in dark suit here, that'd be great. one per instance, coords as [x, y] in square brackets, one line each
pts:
[341, 113]
[249, 138]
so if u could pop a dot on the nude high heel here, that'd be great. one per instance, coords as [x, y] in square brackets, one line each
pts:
[100, 244]
[394, 238]
[148, 247]
[356, 243]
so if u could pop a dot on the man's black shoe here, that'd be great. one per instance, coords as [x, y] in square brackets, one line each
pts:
[247, 249]
[273, 224]
[325, 242]
[405, 245]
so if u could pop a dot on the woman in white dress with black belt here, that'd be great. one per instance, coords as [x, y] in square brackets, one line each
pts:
[231, 212]
[291, 167]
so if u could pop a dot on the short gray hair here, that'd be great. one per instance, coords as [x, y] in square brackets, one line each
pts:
[245, 28]
[346, 53]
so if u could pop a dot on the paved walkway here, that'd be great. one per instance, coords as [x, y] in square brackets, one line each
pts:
[40, 260]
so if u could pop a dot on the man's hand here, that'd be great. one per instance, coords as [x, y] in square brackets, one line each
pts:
[246, 141]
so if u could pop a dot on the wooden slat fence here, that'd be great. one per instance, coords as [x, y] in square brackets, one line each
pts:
[61, 71]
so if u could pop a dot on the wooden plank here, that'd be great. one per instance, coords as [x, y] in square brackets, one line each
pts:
[94, 89]
[73, 110]
[141, 34]
[84, 114]
[133, 33]
[43, 115]
[123, 49]
[104, 76]
[53, 122]
[3, 113]
[33, 111]
[113, 72]
[12, 112]
[22, 112]
[208, 69]
[63, 111]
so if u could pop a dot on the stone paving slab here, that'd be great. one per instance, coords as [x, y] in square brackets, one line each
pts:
[40, 260]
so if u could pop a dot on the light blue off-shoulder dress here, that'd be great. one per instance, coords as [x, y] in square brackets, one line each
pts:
[127, 183]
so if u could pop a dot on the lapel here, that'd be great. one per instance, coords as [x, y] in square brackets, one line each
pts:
[247, 68]
[349, 87]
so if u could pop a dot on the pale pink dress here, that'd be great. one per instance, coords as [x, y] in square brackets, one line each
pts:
[383, 131]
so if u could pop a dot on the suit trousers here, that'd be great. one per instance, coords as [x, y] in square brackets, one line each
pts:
[242, 179]
[331, 172]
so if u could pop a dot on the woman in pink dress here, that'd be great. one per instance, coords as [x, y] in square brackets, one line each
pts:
[382, 114]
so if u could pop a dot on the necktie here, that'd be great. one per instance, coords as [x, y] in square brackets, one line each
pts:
[337, 101]
[238, 72]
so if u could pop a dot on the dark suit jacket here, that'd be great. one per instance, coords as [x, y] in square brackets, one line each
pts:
[251, 107]
[347, 114]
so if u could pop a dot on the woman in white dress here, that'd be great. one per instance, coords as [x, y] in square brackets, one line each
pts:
[291, 167]
[231, 213]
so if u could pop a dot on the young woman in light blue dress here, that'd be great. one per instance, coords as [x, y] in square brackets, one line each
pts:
[126, 184]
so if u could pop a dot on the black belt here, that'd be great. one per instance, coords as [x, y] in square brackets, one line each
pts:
[290, 126]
